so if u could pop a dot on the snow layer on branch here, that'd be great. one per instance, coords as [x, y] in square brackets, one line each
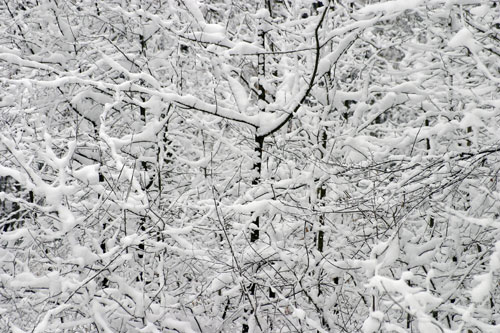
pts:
[373, 322]
[43, 325]
[465, 38]
[242, 48]
[259, 207]
[386, 253]
[390, 6]
[449, 3]
[83, 255]
[483, 287]
[221, 281]
[68, 220]
[239, 93]
[134, 76]
[361, 148]
[177, 325]
[194, 8]
[495, 258]
[213, 38]
[16, 60]
[98, 310]
[148, 134]
[27, 279]
[328, 61]
[88, 174]
[6, 172]
[189, 101]
[15, 234]
[214, 34]
[424, 324]
[419, 254]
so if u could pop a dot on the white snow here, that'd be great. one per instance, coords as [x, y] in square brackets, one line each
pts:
[181, 326]
[88, 174]
[6, 172]
[495, 258]
[299, 313]
[389, 327]
[480, 10]
[214, 29]
[221, 281]
[194, 8]
[326, 63]
[483, 287]
[362, 148]
[214, 38]
[16, 60]
[465, 38]
[43, 325]
[373, 322]
[66, 217]
[262, 13]
[83, 255]
[407, 275]
[242, 48]
[15, 234]
[130, 240]
[259, 207]
[425, 324]
[387, 252]
[28, 279]
[389, 7]
[16, 329]
[239, 93]
[98, 311]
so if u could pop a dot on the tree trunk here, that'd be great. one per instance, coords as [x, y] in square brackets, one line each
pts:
[257, 167]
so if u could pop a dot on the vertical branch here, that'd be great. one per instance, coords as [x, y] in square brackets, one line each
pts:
[259, 140]
[144, 166]
[261, 102]
[321, 192]
[163, 154]
[105, 281]
[257, 167]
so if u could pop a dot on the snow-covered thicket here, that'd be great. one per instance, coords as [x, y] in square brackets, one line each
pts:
[253, 166]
